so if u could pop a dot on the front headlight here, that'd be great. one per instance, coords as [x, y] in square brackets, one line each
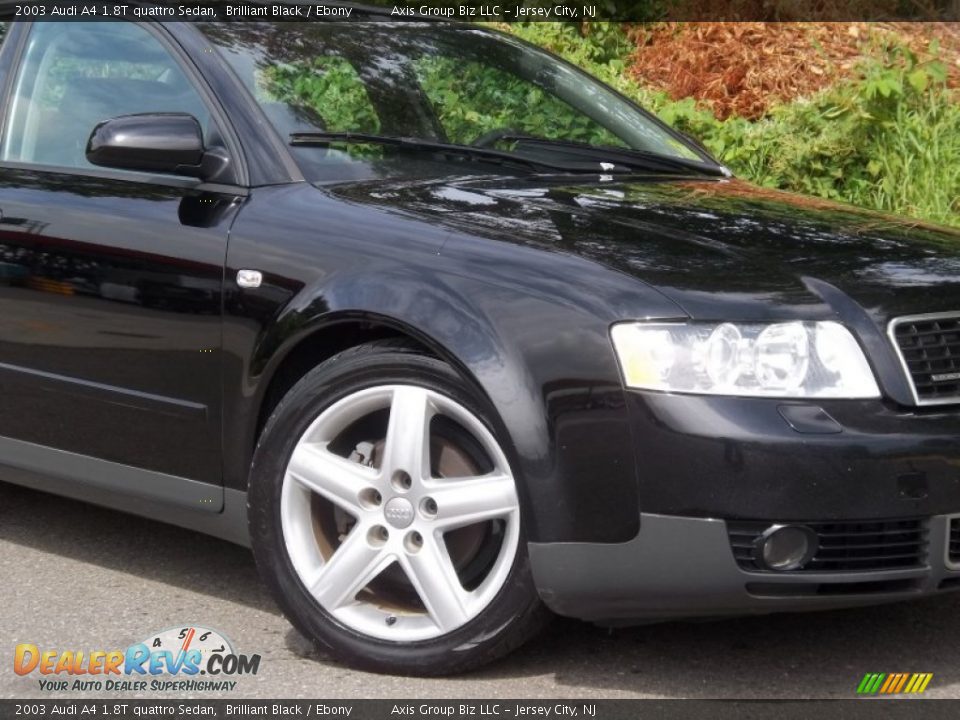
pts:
[788, 360]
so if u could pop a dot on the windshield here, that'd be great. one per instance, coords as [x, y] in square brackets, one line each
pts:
[434, 83]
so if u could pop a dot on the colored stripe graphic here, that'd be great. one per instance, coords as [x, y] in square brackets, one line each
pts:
[891, 680]
[870, 683]
[894, 683]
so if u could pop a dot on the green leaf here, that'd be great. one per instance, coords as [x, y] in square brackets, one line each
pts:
[937, 71]
[919, 79]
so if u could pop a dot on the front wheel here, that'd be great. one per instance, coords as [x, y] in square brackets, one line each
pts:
[385, 517]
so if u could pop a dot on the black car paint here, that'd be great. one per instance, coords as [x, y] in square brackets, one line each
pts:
[515, 280]
[120, 314]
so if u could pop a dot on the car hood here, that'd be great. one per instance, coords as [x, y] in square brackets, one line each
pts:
[718, 248]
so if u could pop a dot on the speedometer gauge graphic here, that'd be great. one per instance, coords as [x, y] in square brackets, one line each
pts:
[192, 637]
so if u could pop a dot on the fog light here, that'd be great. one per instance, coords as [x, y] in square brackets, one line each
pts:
[785, 547]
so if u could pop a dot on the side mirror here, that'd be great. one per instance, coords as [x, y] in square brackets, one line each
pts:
[155, 142]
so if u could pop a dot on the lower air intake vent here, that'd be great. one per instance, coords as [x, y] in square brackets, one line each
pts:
[860, 546]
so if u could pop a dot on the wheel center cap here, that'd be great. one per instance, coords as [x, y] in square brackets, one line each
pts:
[398, 512]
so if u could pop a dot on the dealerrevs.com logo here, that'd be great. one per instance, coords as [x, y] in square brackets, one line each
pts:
[184, 659]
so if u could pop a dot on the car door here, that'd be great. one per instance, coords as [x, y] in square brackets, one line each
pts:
[110, 281]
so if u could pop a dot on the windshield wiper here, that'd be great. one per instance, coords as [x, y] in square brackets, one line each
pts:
[624, 156]
[323, 139]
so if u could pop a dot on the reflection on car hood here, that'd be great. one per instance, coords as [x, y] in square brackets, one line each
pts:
[713, 246]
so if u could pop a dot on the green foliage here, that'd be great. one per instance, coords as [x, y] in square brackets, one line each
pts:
[472, 99]
[889, 141]
[329, 86]
[599, 48]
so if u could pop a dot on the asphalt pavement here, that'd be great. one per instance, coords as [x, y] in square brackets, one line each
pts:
[75, 576]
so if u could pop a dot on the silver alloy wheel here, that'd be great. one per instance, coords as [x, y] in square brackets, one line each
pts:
[399, 514]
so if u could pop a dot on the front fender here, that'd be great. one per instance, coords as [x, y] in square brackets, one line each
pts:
[531, 338]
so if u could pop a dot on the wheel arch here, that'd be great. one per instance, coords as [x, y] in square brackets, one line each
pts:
[329, 336]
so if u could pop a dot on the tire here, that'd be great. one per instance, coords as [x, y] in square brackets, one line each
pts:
[337, 491]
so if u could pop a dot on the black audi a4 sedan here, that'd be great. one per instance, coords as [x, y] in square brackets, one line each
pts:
[456, 338]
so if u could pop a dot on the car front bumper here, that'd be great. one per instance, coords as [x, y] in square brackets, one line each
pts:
[759, 459]
[681, 567]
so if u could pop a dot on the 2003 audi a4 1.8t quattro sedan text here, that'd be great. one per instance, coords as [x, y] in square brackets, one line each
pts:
[456, 337]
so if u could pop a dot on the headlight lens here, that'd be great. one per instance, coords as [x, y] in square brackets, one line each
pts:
[791, 359]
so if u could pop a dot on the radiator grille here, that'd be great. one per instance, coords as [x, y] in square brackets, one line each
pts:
[930, 349]
[844, 546]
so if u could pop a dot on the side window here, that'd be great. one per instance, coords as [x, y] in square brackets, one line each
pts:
[75, 75]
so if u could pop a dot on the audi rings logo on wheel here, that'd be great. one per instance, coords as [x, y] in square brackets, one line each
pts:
[399, 512]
